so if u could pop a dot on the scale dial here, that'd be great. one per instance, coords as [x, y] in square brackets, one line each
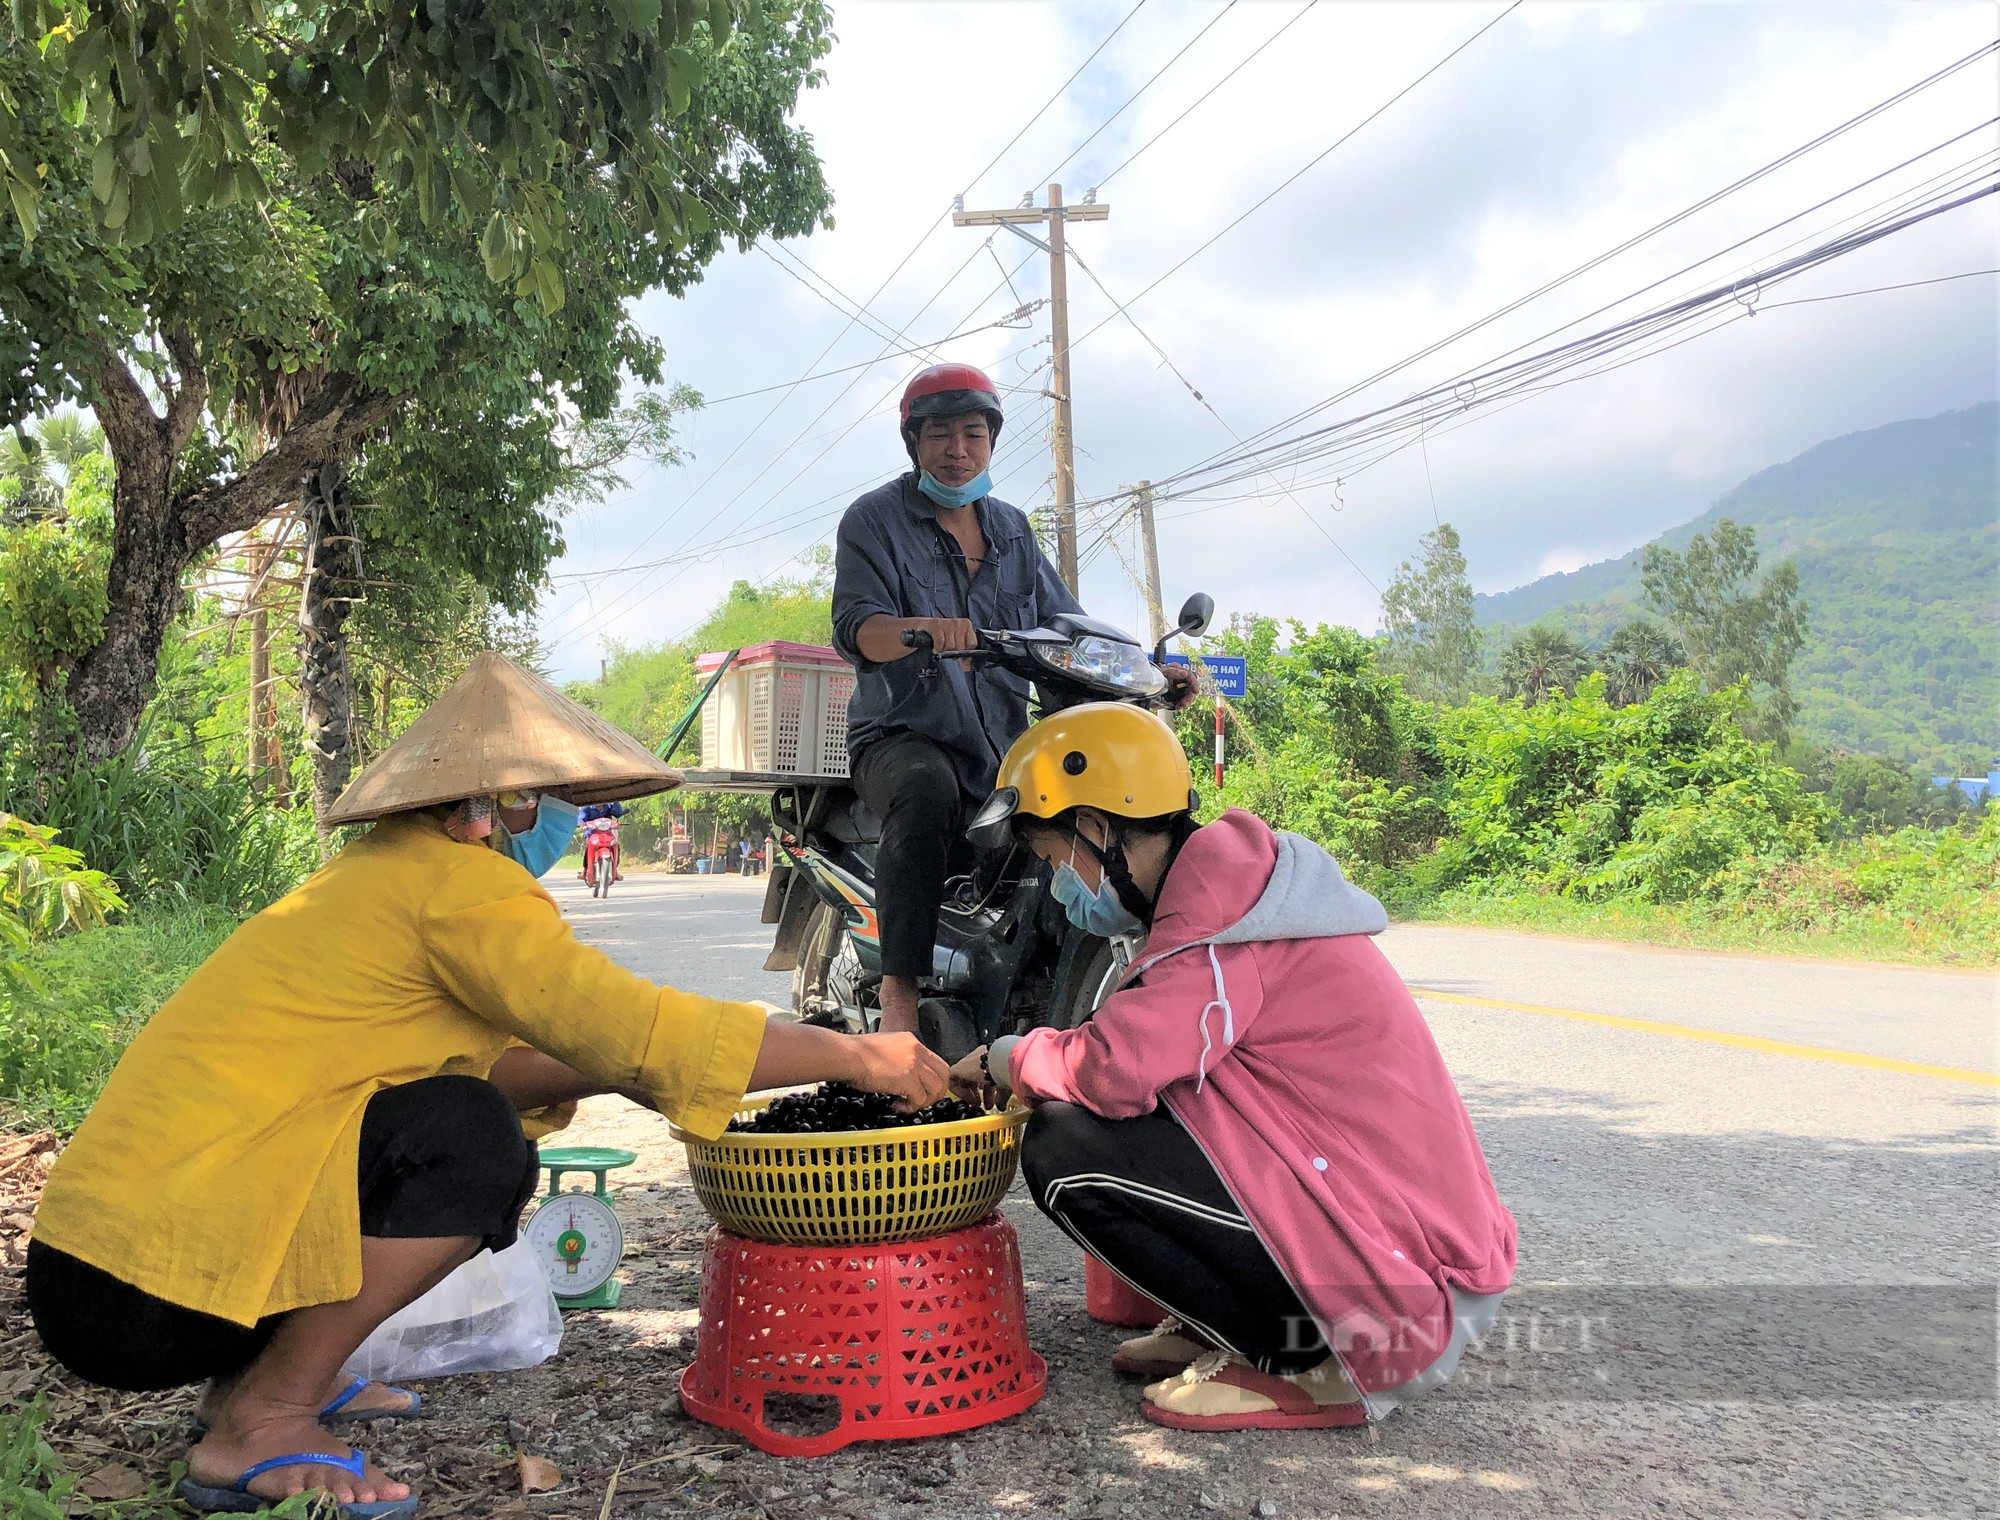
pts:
[578, 1241]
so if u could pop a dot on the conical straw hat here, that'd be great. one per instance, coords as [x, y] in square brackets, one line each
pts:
[499, 728]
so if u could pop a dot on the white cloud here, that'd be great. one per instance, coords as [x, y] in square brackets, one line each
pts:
[1561, 132]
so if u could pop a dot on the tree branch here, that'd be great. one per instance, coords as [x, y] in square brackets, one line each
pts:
[338, 415]
[132, 429]
[188, 399]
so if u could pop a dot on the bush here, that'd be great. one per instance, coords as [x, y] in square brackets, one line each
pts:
[168, 827]
[86, 996]
[1653, 799]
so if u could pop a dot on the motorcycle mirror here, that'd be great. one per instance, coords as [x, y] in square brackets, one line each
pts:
[1196, 612]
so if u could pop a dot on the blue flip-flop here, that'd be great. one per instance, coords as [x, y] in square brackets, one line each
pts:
[332, 1418]
[238, 1500]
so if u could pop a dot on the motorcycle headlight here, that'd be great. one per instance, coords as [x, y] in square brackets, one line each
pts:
[1104, 662]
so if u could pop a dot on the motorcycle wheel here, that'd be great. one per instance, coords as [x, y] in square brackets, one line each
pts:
[813, 999]
[601, 884]
[1085, 976]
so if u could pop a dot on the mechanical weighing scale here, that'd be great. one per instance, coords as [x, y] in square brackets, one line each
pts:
[576, 1236]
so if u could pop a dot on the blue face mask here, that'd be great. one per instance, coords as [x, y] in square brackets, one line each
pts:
[1100, 912]
[543, 845]
[955, 496]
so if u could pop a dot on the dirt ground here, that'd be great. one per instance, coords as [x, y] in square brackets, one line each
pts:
[607, 1404]
[606, 1407]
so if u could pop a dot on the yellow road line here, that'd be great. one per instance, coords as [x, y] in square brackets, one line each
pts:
[1720, 1037]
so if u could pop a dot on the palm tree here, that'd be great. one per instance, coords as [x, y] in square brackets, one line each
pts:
[41, 460]
[1538, 660]
[67, 440]
[1638, 657]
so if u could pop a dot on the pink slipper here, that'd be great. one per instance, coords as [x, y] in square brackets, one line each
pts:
[1210, 1396]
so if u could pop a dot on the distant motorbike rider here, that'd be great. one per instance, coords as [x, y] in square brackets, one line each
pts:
[612, 811]
[933, 551]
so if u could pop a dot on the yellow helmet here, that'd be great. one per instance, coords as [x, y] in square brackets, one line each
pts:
[1121, 760]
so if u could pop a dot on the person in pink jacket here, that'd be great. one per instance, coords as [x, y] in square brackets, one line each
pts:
[1256, 1130]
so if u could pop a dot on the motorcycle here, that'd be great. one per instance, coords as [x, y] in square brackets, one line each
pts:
[600, 855]
[1006, 958]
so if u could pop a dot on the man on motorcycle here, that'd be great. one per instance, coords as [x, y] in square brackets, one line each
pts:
[933, 552]
[613, 811]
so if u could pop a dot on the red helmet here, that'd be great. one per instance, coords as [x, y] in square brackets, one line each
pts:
[950, 390]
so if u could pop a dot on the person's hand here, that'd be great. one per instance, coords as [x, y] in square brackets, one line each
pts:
[968, 1080]
[901, 1065]
[946, 633]
[1182, 688]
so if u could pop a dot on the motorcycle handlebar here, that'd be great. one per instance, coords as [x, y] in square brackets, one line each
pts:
[920, 640]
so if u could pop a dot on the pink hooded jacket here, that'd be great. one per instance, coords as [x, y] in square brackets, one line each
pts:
[1279, 1036]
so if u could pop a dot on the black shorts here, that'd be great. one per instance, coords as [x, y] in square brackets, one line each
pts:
[441, 1157]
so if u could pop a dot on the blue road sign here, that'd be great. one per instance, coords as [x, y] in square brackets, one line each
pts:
[1225, 673]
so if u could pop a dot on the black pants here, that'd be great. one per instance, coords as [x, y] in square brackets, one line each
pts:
[909, 783]
[1139, 1195]
[440, 1157]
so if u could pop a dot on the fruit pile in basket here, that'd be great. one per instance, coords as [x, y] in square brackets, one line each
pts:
[840, 1167]
[835, 1108]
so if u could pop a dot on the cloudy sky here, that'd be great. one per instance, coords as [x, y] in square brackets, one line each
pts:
[1553, 137]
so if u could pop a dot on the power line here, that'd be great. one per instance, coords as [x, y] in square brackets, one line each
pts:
[1043, 110]
[1317, 159]
[1876, 290]
[1934, 187]
[1210, 409]
[1533, 371]
[1027, 309]
[1743, 182]
[685, 555]
[1103, 125]
[1296, 17]
[901, 264]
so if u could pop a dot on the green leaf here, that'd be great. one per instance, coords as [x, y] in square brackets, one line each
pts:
[549, 284]
[24, 197]
[493, 241]
[103, 166]
[719, 19]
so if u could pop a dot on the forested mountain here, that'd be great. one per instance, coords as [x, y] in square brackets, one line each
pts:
[1896, 534]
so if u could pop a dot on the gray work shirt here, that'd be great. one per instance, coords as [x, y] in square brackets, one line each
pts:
[894, 557]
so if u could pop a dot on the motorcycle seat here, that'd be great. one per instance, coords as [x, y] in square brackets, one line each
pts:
[854, 824]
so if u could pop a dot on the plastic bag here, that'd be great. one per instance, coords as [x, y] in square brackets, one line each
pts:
[494, 1314]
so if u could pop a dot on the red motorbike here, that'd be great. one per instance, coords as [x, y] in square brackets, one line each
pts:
[600, 855]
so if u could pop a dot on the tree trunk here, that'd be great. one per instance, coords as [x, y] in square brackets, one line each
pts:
[333, 583]
[112, 683]
[265, 756]
[161, 534]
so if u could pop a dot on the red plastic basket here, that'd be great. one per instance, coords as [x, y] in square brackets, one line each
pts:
[1112, 1302]
[918, 1339]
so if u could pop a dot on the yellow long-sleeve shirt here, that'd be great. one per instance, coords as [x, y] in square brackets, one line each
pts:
[218, 1169]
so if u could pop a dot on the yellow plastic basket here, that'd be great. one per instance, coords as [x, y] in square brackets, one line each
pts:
[858, 1188]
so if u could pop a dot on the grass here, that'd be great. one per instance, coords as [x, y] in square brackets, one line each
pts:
[1915, 896]
[86, 996]
[1701, 927]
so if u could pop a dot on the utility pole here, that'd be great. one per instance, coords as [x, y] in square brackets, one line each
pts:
[1156, 612]
[1056, 215]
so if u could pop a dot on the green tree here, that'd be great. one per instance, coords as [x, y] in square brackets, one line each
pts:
[37, 463]
[431, 259]
[1427, 615]
[1540, 661]
[1638, 656]
[1733, 626]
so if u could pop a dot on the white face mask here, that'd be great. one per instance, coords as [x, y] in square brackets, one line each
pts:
[1100, 911]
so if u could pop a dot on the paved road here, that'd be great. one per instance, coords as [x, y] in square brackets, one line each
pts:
[1710, 1208]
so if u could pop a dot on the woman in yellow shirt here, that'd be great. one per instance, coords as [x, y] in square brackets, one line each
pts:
[325, 1120]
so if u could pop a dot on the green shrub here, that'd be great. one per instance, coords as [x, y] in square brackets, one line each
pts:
[168, 827]
[85, 996]
[45, 889]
